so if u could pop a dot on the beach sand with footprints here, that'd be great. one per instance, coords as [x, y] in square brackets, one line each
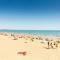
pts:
[21, 47]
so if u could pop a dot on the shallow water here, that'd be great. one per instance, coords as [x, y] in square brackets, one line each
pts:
[35, 32]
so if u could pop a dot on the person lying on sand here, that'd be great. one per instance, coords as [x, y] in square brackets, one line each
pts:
[22, 53]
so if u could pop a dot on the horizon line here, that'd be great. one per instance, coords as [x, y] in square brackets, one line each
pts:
[29, 29]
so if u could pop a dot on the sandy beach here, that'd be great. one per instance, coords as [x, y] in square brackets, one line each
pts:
[35, 50]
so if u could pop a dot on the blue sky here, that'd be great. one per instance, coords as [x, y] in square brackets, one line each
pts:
[30, 14]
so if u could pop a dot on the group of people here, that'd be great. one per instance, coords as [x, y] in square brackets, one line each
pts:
[52, 44]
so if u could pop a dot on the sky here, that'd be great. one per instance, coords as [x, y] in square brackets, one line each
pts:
[30, 14]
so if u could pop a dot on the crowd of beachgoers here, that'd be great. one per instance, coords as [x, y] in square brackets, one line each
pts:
[51, 41]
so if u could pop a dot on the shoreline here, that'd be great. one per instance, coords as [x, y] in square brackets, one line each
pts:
[25, 34]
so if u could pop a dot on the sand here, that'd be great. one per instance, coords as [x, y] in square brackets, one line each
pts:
[35, 50]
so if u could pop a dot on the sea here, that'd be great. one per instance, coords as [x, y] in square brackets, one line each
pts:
[35, 32]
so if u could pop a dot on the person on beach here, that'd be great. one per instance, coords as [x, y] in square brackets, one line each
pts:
[52, 44]
[22, 53]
